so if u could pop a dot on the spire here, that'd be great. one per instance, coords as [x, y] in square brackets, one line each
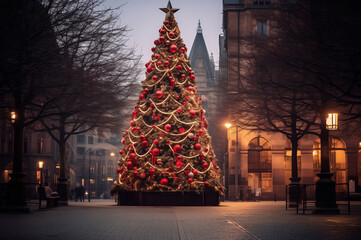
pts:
[199, 29]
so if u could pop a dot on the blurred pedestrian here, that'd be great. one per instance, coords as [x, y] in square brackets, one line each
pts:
[82, 193]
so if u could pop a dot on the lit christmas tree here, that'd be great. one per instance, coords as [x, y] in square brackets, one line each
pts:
[167, 147]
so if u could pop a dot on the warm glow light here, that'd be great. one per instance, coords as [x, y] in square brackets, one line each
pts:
[228, 125]
[41, 164]
[13, 116]
[359, 144]
[57, 165]
[110, 179]
[332, 121]
[112, 154]
[314, 153]
[289, 153]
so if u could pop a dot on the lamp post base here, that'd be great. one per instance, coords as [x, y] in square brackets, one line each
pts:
[294, 192]
[326, 195]
[63, 190]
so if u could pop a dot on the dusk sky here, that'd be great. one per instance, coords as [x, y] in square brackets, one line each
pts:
[144, 19]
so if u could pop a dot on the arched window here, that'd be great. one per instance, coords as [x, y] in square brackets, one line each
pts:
[288, 162]
[337, 160]
[260, 164]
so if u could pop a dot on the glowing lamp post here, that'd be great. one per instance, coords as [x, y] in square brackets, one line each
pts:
[325, 187]
[236, 191]
[13, 117]
[41, 167]
[332, 121]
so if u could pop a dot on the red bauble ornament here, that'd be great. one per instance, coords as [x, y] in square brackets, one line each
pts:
[182, 49]
[156, 42]
[145, 143]
[119, 170]
[162, 31]
[166, 63]
[179, 110]
[149, 69]
[200, 132]
[153, 49]
[179, 164]
[132, 155]
[205, 165]
[192, 113]
[172, 83]
[155, 77]
[195, 172]
[197, 146]
[206, 184]
[131, 123]
[142, 137]
[181, 130]
[121, 152]
[141, 96]
[155, 152]
[190, 180]
[179, 158]
[164, 181]
[129, 165]
[142, 175]
[135, 173]
[183, 76]
[167, 42]
[161, 39]
[166, 22]
[167, 127]
[156, 142]
[177, 148]
[179, 67]
[193, 77]
[173, 48]
[171, 34]
[152, 172]
[189, 88]
[159, 94]
[156, 55]
[159, 63]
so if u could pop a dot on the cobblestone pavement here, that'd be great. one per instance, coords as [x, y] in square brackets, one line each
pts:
[102, 219]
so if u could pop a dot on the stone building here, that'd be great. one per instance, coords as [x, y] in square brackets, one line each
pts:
[262, 161]
[208, 89]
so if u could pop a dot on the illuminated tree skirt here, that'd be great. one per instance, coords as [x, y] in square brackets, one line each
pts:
[186, 198]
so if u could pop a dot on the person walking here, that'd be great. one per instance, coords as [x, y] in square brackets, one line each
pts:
[82, 193]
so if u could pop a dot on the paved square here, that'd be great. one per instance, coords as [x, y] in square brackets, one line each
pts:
[102, 219]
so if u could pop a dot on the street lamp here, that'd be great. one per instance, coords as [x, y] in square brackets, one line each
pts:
[236, 156]
[332, 121]
[13, 117]
[325, 186]
[41, 167]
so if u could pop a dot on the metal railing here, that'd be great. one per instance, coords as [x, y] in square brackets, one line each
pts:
[305, 197]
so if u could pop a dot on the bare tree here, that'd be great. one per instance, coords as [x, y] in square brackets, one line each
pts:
[65, 60]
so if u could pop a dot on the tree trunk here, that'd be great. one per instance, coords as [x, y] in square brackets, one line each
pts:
[63, 186]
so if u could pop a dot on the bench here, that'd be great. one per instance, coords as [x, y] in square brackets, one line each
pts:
[50, 196]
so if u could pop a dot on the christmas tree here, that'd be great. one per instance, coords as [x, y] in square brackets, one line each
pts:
[167, 146]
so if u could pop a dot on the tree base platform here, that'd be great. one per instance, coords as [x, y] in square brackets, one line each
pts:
[186, 198]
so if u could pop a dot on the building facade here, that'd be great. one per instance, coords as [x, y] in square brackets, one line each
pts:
[209, 90]
[261, 162]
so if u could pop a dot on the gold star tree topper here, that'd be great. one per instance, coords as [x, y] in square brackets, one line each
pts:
[169, 10]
